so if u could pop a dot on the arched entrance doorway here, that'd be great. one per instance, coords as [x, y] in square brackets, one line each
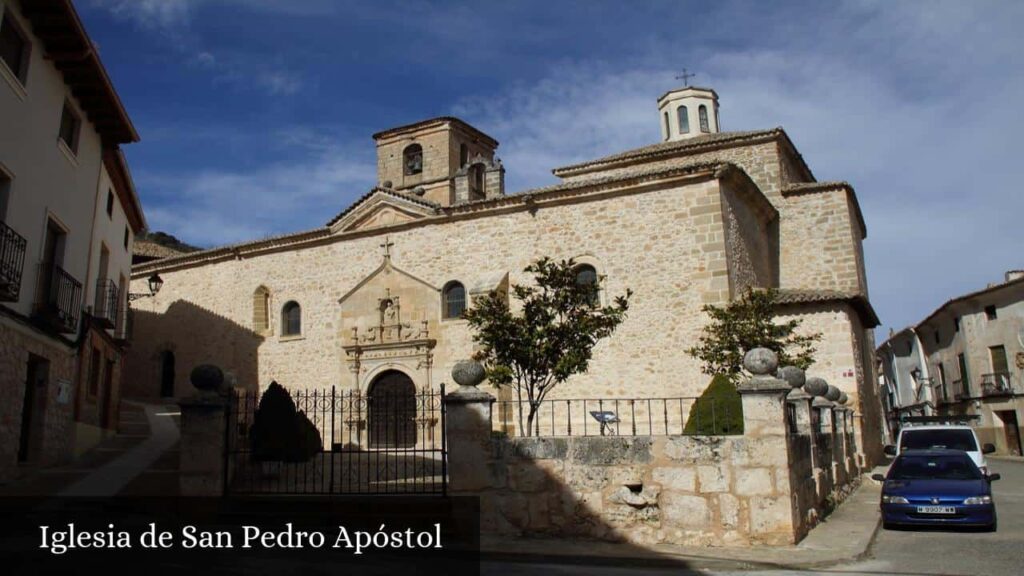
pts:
[391, 407]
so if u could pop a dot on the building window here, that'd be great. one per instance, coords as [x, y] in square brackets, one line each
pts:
[938, 337]
[990, 312]
[5, 194]
[684, 120]
[668, 128]
[412, 159]
[1000, 363]
[965, 381]
[70, 125]
[126, 238]
[291, 319]
[476, 182]
[453, 300]
[702, 113]
[956, 324]
[14, 47]
[261, 310]
[110, 203]
[463, 155]
[942, 380]
[586, 275]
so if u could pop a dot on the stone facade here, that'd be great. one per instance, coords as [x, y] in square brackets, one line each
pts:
[695, 222]
[49, 433]
[768, 486]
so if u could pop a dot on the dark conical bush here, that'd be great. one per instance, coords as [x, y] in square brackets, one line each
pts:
[718, 411]
[279, 432]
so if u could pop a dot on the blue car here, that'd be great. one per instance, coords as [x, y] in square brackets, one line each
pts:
[937, 488]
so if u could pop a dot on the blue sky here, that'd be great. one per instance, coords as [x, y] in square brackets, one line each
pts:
[256, 115]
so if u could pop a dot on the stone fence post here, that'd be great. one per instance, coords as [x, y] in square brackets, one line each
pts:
[468, 430]
[204, 435]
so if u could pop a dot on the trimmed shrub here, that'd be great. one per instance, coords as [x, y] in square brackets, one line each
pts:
[279, 432]
[718, 411]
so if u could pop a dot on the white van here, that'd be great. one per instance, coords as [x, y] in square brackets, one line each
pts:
[948, 436]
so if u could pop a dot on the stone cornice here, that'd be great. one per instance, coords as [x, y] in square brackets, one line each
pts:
[526, 200]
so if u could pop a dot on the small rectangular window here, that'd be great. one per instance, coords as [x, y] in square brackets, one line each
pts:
[70, 126]
[126, 238]
[14, 47]
[5, 194]
[990, 312]
[110, 203]
[938, 338]
[956, 324]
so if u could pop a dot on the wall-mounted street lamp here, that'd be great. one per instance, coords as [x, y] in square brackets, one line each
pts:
[155, 283]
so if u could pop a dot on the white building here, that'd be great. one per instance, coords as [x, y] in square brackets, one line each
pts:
[68, 216]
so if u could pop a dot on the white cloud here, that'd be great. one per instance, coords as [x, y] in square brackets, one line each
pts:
[150, 14]
[215, 207]
[918, 107]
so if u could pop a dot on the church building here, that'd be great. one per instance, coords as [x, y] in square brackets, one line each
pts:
[372, 299]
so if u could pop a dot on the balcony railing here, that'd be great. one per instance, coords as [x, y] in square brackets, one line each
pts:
[12, 262]
[957, 386]
[107, 305]
[996, 384]
[123, 330]
[60, 299]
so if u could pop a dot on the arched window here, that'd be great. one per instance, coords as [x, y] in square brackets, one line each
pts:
[476, 182]
[291, 319]
[412, 159]
[668, 128]
[463, 155]
[702, 112]
[684, 120]
[454, 300]
[586, 275]
[261, 310]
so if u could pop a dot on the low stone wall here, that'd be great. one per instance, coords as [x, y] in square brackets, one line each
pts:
[689, 490]
[794, 462]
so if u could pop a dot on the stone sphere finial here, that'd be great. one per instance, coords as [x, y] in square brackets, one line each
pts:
[795, 376]
[468, 373]
[386, 184]
[207, 377]
[833, 393]
[816, 386]
[843, 398]
[761, 361]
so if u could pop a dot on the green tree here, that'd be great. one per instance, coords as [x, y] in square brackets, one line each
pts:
[744, 324]
[552, 338]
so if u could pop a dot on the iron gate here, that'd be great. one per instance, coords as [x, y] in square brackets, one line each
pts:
[390, 442]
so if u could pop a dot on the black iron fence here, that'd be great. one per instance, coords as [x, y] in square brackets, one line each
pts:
[619, 417]
[361, 444]
[12, 263]
[107, 306]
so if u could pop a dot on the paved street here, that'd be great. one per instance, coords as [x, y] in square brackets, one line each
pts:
[904, 553]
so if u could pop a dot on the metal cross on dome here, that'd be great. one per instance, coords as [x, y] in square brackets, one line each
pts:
[685, 77]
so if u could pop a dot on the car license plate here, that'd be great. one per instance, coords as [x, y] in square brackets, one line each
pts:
[936, 510]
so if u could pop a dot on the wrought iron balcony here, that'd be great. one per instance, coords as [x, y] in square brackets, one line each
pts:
[959, 393]
[60, 298]
[123, 330]
[108, 303]
[12, 262]
[996, 384]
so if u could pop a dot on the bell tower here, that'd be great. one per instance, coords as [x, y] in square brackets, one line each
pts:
[432, 158]
[688, 112]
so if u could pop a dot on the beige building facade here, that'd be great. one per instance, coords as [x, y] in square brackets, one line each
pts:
[373, 295]
[966, 359]
[68, 216]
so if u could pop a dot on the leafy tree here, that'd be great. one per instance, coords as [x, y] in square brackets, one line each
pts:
[744, 324]
[719, 410]
[279, 431]
[551, 339]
